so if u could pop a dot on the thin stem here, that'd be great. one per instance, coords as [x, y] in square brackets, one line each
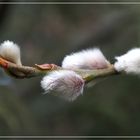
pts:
[93, 74]
[27, 72]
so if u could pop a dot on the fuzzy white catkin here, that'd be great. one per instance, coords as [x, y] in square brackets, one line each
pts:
[67, 84]
[10, 52]
[129, 62]
[86, 59]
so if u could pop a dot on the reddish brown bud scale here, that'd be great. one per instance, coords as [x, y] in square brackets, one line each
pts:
[46, 66]
[3, 63]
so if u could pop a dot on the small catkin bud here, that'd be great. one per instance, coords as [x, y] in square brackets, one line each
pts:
[10, 52]
[67, 84]
[86, 59]
[129, 62]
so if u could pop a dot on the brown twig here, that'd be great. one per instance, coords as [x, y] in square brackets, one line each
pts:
[17, 71]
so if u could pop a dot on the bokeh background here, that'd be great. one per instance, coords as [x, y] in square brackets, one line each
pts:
[46, 33]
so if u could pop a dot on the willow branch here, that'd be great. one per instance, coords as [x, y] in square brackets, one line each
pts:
[17, 71]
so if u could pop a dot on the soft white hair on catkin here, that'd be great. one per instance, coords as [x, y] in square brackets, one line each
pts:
[67, 84]
[10, 52]
[86, 59]
[129, 62]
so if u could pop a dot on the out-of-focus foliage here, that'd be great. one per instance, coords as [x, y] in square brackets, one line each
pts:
[46, 33]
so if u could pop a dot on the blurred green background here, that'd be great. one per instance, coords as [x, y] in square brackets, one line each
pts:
[46, 33]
